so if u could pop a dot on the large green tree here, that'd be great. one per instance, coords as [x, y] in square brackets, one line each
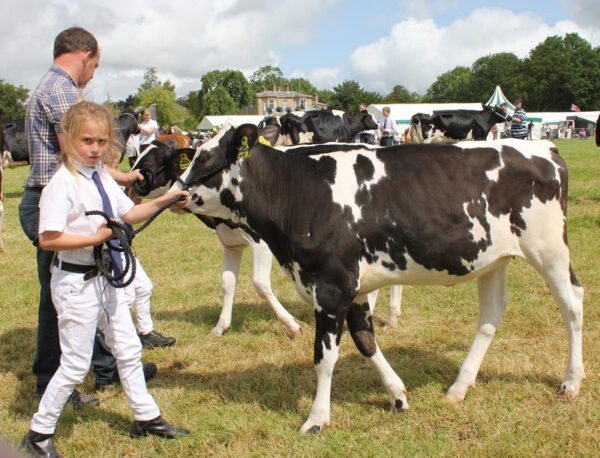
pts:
[266, 77]
[503, 69]
[561, 71]
[12, 101]
[235, 85]
[168, 110]
[400, 94]
[452, 86]
[347, 96]
[218, 102]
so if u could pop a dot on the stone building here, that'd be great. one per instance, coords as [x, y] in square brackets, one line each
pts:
[284, 98]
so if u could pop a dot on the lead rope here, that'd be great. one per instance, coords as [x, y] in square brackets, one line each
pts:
[124, 233]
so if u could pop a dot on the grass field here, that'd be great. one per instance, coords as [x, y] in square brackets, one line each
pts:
[246, 393]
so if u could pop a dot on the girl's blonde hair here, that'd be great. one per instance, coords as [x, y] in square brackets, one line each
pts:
[72, 124]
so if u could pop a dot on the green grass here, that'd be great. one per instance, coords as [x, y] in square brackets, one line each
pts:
[247, 392]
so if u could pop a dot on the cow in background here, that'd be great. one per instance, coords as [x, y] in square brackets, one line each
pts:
[596, 133]
[454, 125]
[346, 223]
[323, 126]
[15, 150]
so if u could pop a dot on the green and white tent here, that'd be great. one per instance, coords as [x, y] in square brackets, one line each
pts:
[498, 99]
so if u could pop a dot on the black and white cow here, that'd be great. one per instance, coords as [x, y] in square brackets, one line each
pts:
[454, 125]
[346, 223]
[161, 167]
[596, 132]
[322, 126]
[15, 152]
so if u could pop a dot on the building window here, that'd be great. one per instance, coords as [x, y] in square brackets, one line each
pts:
[271, 104]
[303, 104]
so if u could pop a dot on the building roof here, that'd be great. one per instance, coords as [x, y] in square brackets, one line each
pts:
[282, 94]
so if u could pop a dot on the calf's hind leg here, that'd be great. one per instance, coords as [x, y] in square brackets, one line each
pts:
[492, 303]
[360, 325]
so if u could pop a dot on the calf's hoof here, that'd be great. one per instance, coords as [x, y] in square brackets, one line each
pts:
[295, 334]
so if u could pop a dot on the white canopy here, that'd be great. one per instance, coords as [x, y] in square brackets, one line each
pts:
[210, 122]
[498, 98]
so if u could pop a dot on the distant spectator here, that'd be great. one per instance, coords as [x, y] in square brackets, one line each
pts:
[530, 131]
[518, 126]
[582, 134]
[148, 130]
[387, 129]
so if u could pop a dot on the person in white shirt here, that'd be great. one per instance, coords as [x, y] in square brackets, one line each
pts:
[387, 129]
[148, 130]
[84, 300]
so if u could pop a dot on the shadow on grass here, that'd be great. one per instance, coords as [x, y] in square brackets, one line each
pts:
[276, 387]
[17, 349]
[242, 312]
[281, 387]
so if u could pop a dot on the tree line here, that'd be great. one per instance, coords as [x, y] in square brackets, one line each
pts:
[556, 73]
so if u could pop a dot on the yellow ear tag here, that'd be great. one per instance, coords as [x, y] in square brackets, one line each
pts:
[244, 152]
[263, 140]
[184, 162]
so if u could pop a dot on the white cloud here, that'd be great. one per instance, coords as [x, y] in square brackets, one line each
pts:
[182, 40]
[326, 78]
[416, 51]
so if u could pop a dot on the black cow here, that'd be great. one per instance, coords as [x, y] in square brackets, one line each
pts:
[346, 223]
[17, 151]
[455, 125]
[596, 133]
[15, 144]
[323, 126]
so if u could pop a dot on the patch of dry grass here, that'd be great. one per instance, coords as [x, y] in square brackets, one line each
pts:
[247, 392]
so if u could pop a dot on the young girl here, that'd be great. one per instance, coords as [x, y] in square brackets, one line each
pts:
[83, 299]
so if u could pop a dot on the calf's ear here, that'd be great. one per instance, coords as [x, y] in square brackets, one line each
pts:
[242, 141]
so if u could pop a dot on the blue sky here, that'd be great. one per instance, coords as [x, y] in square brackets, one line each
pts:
[379, 44]
[355, 25]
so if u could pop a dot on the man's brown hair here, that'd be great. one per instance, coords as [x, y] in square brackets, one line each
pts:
[75, 39]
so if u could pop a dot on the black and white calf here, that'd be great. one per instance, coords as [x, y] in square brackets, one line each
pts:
[161, 167]
[345, 224]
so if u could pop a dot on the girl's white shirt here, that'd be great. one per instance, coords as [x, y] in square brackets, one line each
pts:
[67, 197]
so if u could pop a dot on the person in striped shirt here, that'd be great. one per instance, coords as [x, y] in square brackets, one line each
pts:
[518, 126]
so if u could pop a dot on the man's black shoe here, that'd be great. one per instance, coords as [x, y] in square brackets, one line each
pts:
[157, 427]
[156, 339]
[78, 400]
[150, 371]
[39, 445]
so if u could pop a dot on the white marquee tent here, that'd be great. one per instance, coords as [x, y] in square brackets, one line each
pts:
[210, 122]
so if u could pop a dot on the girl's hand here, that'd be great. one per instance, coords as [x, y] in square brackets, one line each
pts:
[181, 203]
[104, 233]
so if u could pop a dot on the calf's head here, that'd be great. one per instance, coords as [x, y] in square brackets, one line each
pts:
[213, 176]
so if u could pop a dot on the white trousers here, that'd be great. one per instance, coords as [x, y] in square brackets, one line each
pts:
[138, 295]
[82, 306]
